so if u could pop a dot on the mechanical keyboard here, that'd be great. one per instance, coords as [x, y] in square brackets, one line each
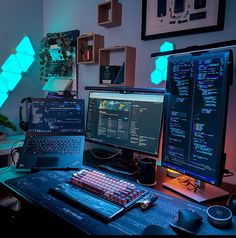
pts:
[104, 195]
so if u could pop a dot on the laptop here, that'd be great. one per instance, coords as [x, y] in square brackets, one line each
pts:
[55, 136]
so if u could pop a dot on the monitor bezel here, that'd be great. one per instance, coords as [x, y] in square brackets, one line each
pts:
[221, 159]
[126, 90]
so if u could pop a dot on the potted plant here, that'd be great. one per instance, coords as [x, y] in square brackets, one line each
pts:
[4, 121]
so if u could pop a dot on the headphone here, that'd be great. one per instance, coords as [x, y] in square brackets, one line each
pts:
[23, 125]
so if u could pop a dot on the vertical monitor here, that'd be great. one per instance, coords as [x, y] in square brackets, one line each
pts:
[127, 120]
[195, 113]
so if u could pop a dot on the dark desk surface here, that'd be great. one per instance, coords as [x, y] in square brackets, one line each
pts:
[132, 222]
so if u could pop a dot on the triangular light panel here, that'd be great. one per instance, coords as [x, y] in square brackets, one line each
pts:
[25, 47]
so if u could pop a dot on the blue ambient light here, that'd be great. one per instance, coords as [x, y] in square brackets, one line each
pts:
[160, 72]
[14, 67]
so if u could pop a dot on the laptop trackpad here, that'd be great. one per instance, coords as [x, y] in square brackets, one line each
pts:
[51, 162]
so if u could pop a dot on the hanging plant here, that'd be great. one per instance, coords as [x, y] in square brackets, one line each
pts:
[65, 41]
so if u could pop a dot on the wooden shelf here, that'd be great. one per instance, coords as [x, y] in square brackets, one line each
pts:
[83, 55]
[129, 62]
[109, 13]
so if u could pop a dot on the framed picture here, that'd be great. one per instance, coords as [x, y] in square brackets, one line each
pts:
[169, 18]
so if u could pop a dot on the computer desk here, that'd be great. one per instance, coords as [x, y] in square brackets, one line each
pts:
[64, 219]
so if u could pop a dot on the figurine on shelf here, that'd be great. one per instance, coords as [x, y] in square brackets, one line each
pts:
[86, 52]
[89, 53]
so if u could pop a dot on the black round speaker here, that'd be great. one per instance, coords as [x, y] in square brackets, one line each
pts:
[219, 216]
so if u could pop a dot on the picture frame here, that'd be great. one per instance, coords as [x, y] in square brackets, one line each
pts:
[170, 18]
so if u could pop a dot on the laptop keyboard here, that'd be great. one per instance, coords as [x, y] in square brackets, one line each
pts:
[53, 145]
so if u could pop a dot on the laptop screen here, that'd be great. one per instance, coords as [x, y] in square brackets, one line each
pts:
[56, 116]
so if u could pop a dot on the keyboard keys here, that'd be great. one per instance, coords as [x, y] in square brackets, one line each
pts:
[52, 146]
[113, 189]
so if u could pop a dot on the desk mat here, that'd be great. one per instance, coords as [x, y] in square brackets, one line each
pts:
[35, 186]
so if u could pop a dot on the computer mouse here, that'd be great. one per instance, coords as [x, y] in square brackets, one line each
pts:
[231, 203]
[156, 230]
[188, 221]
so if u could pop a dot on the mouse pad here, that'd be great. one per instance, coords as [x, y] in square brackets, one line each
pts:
[35, 186]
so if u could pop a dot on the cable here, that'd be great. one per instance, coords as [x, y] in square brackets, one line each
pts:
[14, 150]
[11, 157]
[104, 158]
[227, 173]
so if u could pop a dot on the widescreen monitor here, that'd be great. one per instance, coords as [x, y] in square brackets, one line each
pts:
[130, 120]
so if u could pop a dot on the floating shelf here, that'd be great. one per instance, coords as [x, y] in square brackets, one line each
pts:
[86, 55]
[109, 13]
[129, 62]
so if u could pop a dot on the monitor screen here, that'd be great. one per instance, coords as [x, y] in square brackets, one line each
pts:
[56, 116]
[195, 112]
[130, 120]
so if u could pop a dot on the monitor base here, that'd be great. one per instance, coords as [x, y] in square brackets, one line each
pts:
[208, 192]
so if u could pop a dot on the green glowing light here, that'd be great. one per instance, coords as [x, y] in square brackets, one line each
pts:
[14, 66]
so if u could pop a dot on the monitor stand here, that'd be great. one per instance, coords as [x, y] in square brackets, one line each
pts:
[204, 193]
[123, 165]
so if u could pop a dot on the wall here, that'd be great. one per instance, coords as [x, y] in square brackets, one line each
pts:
[18, 18]
[60, 15]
